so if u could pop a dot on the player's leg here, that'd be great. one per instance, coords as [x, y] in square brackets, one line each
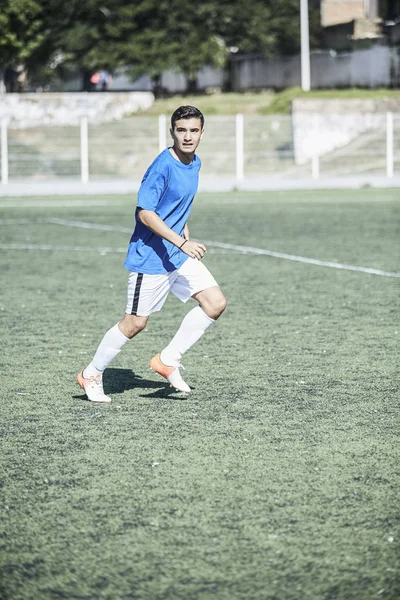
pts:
[113, 342]
[211, 301]
[91, 378]
[145, 294]
[197, 282]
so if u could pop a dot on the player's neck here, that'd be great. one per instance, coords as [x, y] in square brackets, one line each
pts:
[183, 157]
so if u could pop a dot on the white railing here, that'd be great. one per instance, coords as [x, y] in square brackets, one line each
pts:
[389, 145]
[4, 152]
[84, 150]
[241, 146]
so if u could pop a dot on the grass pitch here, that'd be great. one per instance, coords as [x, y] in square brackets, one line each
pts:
[277, 479]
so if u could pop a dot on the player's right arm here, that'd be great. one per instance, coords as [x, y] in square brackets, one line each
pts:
[150, 219]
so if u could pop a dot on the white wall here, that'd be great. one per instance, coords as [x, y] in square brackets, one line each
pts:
[321, 126]
[27, 110]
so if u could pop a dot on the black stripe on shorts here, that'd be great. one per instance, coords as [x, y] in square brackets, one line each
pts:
[136, 295]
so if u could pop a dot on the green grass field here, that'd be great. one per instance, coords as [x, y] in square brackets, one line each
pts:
[277, 479]
[264, 102]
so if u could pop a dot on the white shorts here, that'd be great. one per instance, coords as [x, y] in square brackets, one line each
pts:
[147, 293]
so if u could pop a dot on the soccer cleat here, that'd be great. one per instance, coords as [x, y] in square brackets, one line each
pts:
[93, 388]
[171, 374]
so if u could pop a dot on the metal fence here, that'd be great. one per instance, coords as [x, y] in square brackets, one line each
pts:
[235, 146]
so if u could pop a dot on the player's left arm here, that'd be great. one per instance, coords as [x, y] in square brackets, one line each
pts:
[186, 233]
[152, 220]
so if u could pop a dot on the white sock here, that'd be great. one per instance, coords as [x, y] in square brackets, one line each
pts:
[192, 328]
[110, 346]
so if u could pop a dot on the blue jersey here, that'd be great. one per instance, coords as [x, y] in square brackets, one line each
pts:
[168, 188]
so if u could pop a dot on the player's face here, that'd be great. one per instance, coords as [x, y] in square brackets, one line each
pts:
[186, 135]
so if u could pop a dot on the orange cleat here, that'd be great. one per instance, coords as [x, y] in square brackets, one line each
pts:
[93, 388]
[171, 374]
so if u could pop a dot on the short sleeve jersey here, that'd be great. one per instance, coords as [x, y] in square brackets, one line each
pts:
[168, 188]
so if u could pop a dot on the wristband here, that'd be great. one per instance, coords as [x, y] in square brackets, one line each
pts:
[180, 247]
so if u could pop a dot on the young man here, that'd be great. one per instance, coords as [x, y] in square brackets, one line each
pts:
[161, 259]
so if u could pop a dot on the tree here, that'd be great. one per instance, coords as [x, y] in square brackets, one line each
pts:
[149, 36]
[155, 35]
[195, 38]
[21, 34]
[47, 35]
[268, 27]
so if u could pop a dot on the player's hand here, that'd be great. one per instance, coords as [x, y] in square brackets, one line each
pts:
[194, 249]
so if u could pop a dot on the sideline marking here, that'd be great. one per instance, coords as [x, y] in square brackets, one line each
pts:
[85, 225]
[304, 259]
[242, 249]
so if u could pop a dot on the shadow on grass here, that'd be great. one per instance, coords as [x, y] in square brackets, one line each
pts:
[118, 381]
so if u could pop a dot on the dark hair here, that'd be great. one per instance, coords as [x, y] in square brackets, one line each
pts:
[187, 112]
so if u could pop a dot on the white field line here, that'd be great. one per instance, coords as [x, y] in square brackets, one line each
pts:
[234, 247]
[85, 225]
[303, 259]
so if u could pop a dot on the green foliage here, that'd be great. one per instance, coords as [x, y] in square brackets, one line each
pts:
[277, 479]
[266, 27]
[21, 31]
[149, 35]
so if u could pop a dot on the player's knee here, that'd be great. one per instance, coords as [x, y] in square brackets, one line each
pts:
[131, 325]
[214, 304]
[220, 305]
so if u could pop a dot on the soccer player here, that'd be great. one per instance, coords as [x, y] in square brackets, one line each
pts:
[162, 258]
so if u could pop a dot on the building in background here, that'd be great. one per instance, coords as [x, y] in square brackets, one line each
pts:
[347, 21]
[336, 12]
